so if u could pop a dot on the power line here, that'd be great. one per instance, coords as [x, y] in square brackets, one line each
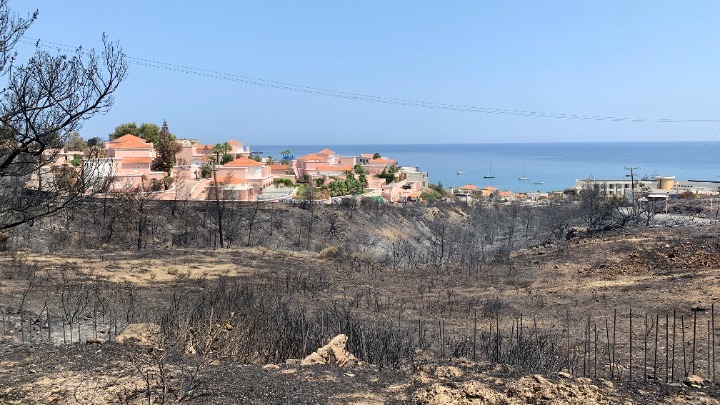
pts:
[364, 97]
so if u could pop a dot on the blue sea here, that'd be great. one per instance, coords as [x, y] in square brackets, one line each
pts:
[555, 165]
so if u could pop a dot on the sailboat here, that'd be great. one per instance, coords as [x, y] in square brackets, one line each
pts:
[489, 174]
[523, 177]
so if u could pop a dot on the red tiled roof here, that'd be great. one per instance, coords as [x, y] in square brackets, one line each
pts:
[314, 157]
[234, 142]
[470, 187]
[243, 162]
[326, 152]
[129, 141]
[137, 160]
[506, 193]
[278, 167]
[382, 161]
[489, 188]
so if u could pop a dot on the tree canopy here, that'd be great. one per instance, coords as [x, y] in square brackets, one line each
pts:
[166, 148]
[146, 131]
[41, 103]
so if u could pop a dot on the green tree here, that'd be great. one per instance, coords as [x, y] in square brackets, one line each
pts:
[146, 131]
[149, 132]
[124, 129]
[376, 155]
[165, 148]
[388, 174]
[220, 149]
[227, 158]
[76, 160]
[42, 102]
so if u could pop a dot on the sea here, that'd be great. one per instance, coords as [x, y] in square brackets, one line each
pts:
[547, 166]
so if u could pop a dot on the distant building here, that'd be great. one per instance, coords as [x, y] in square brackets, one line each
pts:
[413, 173]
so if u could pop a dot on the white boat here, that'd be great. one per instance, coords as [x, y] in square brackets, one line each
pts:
[539, 182]
[459, 172]
[523, 177]
[489, 174]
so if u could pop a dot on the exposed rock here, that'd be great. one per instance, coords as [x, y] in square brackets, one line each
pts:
[332, 353]
[694, 381]
[470, 392]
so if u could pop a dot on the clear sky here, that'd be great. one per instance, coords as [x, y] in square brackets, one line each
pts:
[626, 59]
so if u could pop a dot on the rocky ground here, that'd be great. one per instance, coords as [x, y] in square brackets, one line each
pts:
[652, 270]
[106, 373]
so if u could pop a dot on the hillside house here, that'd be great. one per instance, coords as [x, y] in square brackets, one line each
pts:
[132, 157]
[402, 191]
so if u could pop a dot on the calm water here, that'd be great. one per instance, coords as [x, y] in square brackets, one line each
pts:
[557, 165]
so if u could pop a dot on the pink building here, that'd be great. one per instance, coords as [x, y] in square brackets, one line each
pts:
[193, 153]
[376, 166]
[132, 157]
[308, 164]
[236, 178]
[403, 191]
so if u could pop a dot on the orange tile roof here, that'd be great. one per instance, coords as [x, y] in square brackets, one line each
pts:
[234, 142]
[489, 188]
[367, 155]
[243, 162]
[129, 142]
[128, 137]
[314, 157]
[137, 160]
[339, 168]
[470, 187]
[326, 152]
[278, 167]
[506, 193]
[382, 161]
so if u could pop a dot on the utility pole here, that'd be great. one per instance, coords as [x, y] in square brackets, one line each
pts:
[632, 176]
[632, 181]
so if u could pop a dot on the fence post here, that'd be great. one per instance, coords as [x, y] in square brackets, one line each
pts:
[657, 327]
[667, 347]
[474, 334]
[47, 313]
[712, 321]
[596, 350]
[694, 340]
[682, 327]
[630, 368]
[645, 349]
[609, 352]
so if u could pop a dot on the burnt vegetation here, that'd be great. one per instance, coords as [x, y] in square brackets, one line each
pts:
[405, 283]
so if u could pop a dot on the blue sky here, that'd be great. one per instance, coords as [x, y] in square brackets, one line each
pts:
[639, 59]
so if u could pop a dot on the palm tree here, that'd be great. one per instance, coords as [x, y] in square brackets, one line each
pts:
[220, 149]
